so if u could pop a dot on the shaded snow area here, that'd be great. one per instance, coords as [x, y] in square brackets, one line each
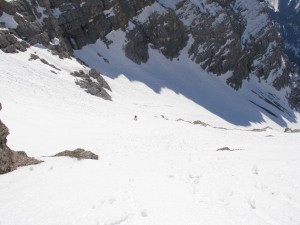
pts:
[182, 78]
[8, 21]
[156, 170]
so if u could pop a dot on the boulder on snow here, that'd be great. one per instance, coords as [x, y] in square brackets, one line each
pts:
[289, 130]
[198, 122]
[9, 159]
[228, 149]
[224, 149]
[79, 154]
[261, 129]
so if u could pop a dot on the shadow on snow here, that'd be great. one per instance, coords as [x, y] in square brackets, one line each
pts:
[188, 79]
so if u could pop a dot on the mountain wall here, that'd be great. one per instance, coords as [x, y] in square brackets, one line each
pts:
[222, 36]
[287, 16]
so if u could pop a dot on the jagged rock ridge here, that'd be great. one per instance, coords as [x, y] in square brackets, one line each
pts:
[235, 36]
[287, 15]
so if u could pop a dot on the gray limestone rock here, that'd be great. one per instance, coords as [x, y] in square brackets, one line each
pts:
[78, 153]
[10, 44]
[11, 160]
[289, 130]
[198, 122]
[33, 27]
[93, 83]
[222, 43]
[96, 75]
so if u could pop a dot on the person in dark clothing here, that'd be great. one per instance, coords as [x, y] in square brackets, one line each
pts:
[135, 117]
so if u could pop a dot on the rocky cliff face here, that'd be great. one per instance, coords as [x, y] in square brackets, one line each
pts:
[222, 36]
[235, 36]
[10, 160]
[5, 152]
[287, 15]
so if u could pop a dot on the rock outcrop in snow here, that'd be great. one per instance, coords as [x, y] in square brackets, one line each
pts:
[11, 160]
[78, 153]
[93, 83]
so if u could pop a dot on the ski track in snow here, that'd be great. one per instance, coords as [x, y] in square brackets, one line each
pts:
[156, 170]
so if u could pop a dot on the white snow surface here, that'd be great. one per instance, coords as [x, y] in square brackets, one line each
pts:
[155, 170]
[274, 4]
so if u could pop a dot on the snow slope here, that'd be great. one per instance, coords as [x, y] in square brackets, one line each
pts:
[156, 170]
[187, 79]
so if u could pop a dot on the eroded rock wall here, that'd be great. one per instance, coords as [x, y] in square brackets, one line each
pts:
[222, 36]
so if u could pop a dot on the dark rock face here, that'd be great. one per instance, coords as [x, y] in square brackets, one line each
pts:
[11, 160]
[79, 154]
[137, 47]
[164, 32]
[60, 26]
[10, 44]
[32, 28]
[294, 98]
[83, 23]
[288, 16]
[223, 42]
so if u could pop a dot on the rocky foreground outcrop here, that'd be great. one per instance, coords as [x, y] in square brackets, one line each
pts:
[9, 159]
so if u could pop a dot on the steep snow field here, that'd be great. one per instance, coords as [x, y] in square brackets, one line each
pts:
[156, 170]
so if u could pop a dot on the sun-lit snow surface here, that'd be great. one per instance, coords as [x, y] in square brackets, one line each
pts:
[150, 171]
[274, 4]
